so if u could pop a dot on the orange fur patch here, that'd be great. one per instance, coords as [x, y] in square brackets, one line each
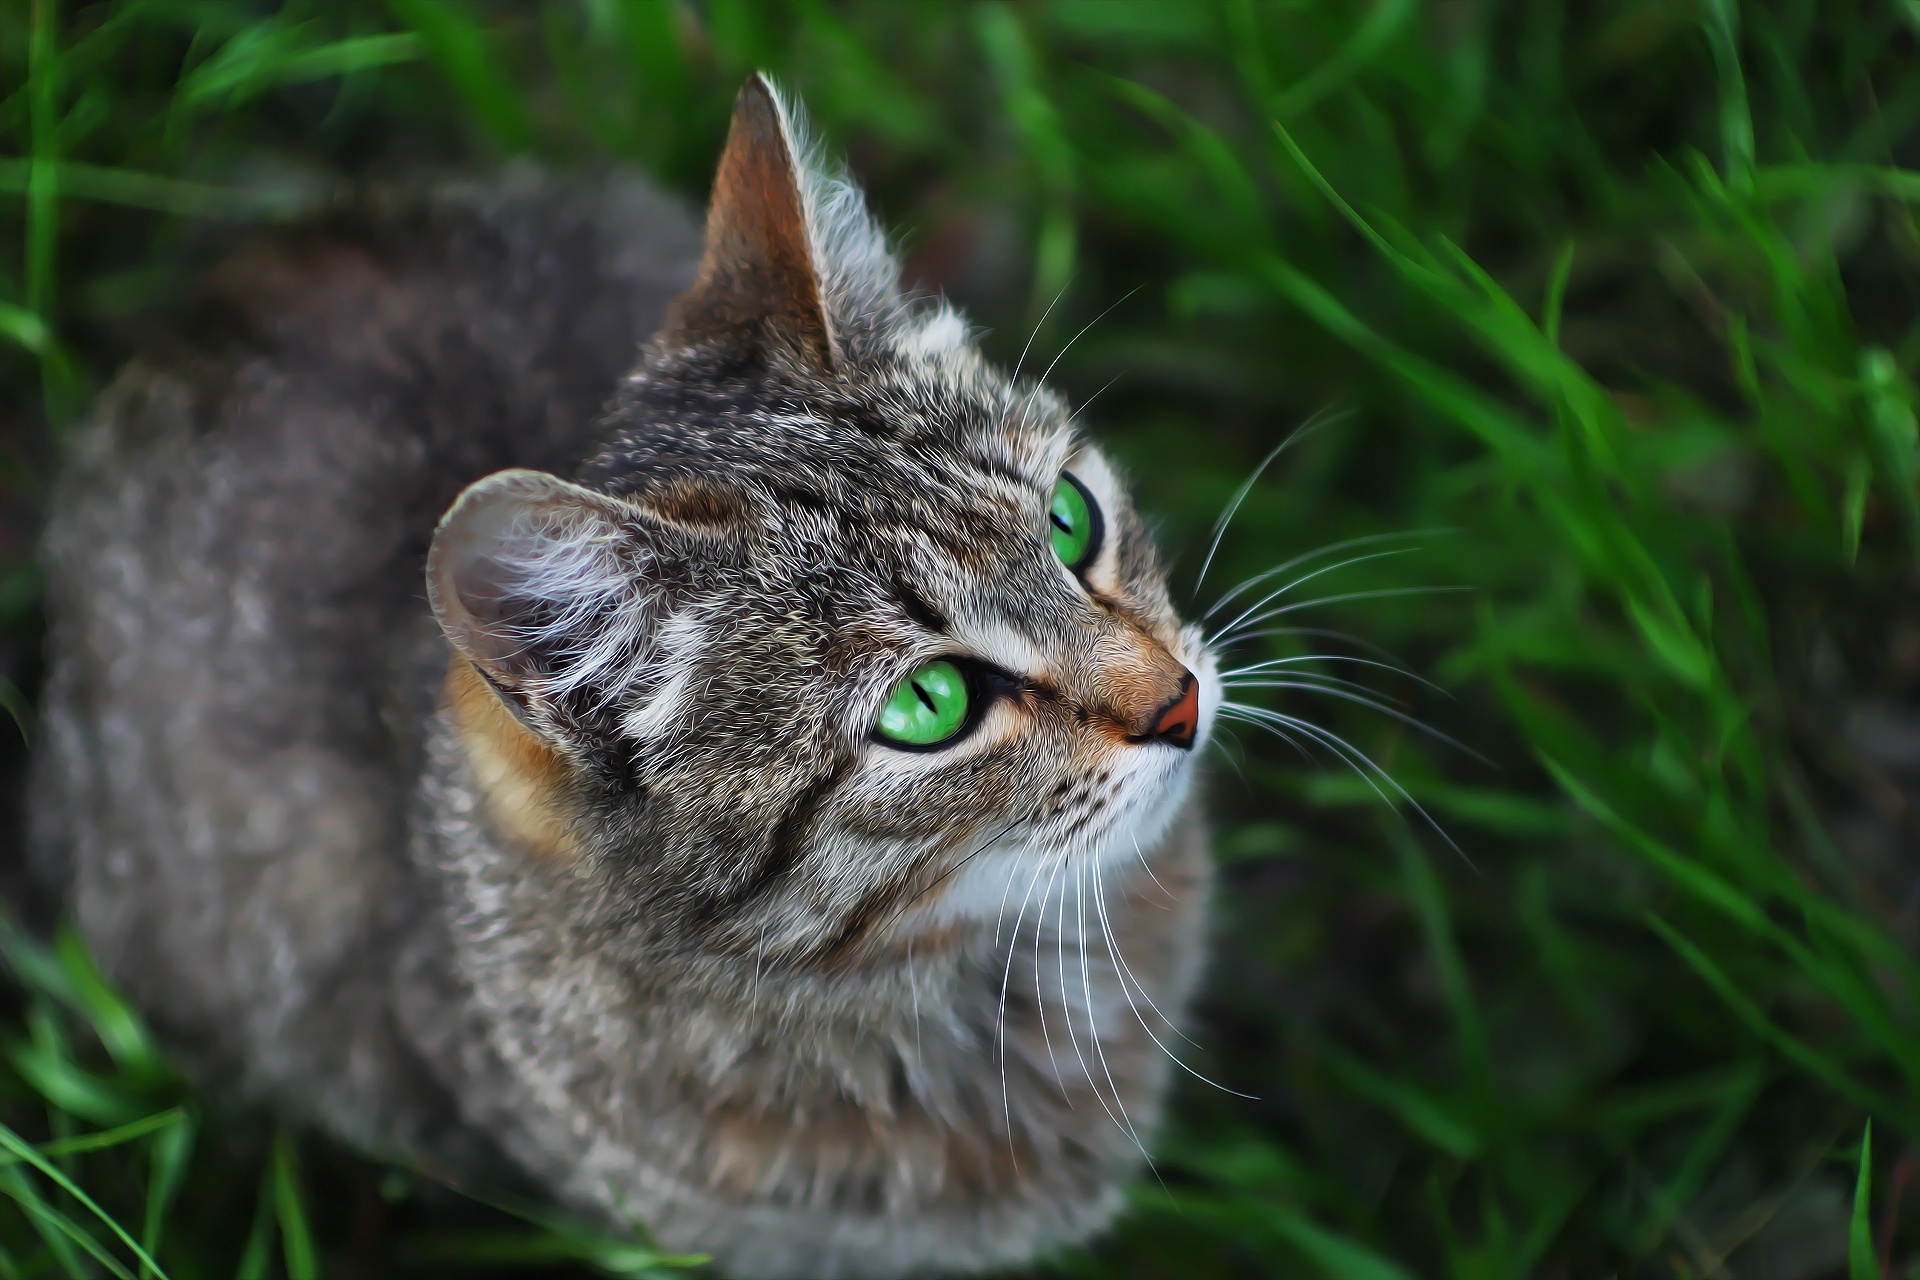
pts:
[524, 779]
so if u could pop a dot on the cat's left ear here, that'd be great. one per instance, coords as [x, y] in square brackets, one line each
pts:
[759, 283]
[545, 586]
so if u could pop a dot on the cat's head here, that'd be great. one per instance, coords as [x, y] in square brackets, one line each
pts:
[843, 636]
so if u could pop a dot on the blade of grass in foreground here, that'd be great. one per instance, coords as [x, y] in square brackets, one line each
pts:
[295, 1235]
[14, 1143]
[1861, 1262]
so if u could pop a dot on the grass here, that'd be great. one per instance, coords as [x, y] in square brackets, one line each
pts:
[1605, 317]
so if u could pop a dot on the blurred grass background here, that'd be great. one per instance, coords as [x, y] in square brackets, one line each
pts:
[1609, 307]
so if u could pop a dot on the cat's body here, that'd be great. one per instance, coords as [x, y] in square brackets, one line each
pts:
[599, 862]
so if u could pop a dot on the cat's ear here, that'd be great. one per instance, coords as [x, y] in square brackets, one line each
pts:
[545, 586]
[759, 282]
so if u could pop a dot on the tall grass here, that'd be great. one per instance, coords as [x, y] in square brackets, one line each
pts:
[1609, 308]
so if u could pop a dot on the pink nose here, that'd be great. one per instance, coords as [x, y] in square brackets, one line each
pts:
[1181, 718]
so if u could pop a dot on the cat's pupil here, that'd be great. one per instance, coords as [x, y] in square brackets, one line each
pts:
[926, 709]
[1076, 522]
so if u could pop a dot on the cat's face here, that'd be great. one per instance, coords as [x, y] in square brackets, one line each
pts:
[844, 638]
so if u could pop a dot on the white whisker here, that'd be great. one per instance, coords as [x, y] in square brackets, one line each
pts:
[1264, 633]
[1354, 758]
[1383, 708]
[1061, 355]
[1093, 1027]
[1305, 429]
[1341, 599]
[1124, 973]
[1000, 1021]
[1271, 596]
[1144, 866]
[1242, 713]
[1039, 996]
[1331, 548]
[1038, 325]
[1251, 668]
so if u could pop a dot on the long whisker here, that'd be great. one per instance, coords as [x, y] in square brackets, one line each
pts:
[1000, 1018]
[1093, 1026]
[1384, 709]
[1120, 957]
[1293, 679]
[1233, 711]
[1093, 1031]
[1383, 593]
[1124, 973]
[1083, 405]
[1042, 381]
[1354, 758]
[1219, 644]
[953, 870]
[1275, 594]
[1038, 325]
[1397, 670]
[1320, 419]
[1039, 996]
[1332, 548]
[1147, 867]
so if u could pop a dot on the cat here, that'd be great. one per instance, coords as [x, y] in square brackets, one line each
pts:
[745, 792]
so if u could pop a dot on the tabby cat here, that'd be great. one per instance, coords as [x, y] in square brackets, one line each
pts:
[756, 809]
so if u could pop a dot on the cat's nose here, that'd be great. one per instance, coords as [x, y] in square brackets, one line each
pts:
[1179, 720]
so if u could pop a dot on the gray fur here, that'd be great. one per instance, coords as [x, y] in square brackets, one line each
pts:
[717, 961]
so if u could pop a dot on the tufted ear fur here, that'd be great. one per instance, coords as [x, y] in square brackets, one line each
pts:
[547, 587]
[759, 282]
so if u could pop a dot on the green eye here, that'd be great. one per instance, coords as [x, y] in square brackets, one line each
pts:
[1073, 521]
[926, 708]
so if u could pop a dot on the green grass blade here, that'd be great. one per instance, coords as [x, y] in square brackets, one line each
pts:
[1862, 1264]
[106, 1139]
[1427, 895]
[1430, 1118]
[1373, 34]
[459, 48]
[1337, 1256]
[1556, 299]
[255, 1255]
[110, 185]
[1865, 1004]
[167, 1171]
[14, 1143]
[1722, 24]
[60, 1232]
[24, 327]
[1819, 1065]
[296, 1236]
[123, 1031]
[1736, 1096]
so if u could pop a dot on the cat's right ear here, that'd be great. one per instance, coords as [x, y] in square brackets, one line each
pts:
[545, 586]
[758, 283]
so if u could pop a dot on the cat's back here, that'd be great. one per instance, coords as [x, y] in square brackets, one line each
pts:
[240, 650]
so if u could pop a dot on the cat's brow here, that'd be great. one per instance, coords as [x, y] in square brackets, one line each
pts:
[1001, 469]
[918, 607]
